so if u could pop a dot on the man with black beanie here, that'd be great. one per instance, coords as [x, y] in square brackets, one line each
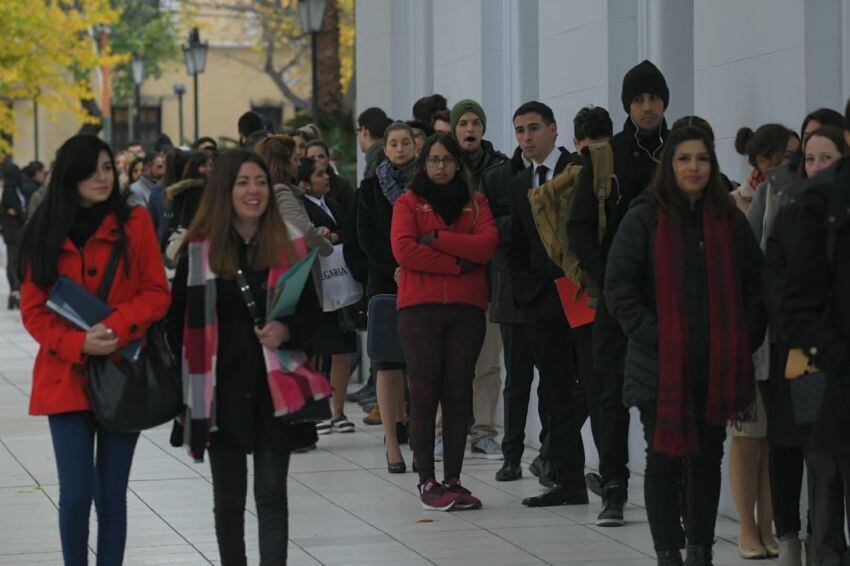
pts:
[637, 151]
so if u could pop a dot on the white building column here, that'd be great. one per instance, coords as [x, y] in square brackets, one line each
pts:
[666, 37]
[825, 73]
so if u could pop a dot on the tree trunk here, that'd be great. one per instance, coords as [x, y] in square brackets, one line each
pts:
[91, 107]
[330, 89]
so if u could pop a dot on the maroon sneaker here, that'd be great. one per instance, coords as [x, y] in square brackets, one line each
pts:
[465, 499]
[434, 497]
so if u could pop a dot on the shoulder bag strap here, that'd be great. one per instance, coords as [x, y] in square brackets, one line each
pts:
[109, 273]
[248, 297]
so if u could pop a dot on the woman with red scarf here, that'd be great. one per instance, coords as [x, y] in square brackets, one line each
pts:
[683, 279]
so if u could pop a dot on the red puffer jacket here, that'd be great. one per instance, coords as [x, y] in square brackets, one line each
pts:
[432, 273]
[59, 380]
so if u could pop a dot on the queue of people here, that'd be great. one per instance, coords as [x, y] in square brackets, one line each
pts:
[701, 293]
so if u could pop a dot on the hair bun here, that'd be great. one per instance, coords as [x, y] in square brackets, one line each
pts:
[742, 138]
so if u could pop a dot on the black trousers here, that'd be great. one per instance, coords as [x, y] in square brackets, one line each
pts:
[12, 249]
[605, 398]
[664, 473]
[552, 349]
[829, 499]
[785, 467]
[519, 375]
[230, 485]
[589, 385]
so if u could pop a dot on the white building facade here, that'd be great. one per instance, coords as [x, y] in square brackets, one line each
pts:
[733, 62]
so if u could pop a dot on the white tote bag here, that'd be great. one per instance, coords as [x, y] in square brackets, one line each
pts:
[339, 288]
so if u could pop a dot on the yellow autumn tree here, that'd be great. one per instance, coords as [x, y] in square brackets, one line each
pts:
[48, 54]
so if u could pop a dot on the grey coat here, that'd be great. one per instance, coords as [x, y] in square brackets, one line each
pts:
[769, 199]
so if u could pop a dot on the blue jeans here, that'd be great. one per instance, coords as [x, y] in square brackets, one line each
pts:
[84, 477]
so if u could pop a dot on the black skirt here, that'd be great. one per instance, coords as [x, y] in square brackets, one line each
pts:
[332, 340]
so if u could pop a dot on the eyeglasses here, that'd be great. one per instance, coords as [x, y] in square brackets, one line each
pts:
[440, 161]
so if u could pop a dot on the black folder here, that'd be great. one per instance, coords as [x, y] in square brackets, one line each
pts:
[81, 308]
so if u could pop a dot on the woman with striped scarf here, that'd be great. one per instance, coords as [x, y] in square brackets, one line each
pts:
[236, 380]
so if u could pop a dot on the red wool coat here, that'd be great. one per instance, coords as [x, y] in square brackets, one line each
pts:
[432, 273]
[58, 384]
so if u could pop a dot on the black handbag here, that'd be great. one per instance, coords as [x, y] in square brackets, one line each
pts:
[383, 343]
[807, 393]
[131, 396]
[353, 317]
[313, 411]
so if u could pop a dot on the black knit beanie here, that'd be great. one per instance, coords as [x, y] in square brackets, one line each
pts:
[644, 77]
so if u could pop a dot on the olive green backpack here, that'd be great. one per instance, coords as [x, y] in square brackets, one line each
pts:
[552, 204]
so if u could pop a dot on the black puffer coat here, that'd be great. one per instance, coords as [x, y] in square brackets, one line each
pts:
[630, 295]
[816, 302]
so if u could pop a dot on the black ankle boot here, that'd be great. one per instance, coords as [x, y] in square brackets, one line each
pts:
[699, 555]
[669, 557]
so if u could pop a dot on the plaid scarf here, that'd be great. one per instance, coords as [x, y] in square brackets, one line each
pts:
[730, 373]
[395, 180]
[291, 380]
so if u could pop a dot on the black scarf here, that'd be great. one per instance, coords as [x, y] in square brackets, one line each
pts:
[446, 200]
[86, 223]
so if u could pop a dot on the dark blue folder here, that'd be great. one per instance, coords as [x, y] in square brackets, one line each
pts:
[81, 308]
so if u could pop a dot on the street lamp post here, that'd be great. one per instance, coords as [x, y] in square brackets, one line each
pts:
[35, 124]
[312, 13]
[195, 57]
[180, 90]
[137, 67]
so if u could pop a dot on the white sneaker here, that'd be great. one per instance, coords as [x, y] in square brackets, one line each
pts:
[324, 427]
[488, 448]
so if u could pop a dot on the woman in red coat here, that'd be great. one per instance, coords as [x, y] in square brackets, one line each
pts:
[73, 234]
[442, 237]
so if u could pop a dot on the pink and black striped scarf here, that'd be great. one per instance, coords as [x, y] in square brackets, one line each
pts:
[291, 379]
[731, 386]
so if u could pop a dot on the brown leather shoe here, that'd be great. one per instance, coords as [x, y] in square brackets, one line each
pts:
[374, 416]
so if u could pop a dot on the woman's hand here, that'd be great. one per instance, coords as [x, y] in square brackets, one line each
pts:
[324, 231]
[396, 275]
[100, 341]
[273, 334]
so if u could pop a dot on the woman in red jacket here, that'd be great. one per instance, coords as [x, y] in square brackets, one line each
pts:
[442, 236]
[72, 234]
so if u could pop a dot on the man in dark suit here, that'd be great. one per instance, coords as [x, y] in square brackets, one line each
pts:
[533, 275]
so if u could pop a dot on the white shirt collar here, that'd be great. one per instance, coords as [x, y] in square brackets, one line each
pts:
[318, 200]
[551, 160]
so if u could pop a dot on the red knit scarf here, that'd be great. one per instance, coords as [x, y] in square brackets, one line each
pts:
[756, 179]
[730, 373]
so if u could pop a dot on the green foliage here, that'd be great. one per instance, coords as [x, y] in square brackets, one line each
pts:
[148, 29]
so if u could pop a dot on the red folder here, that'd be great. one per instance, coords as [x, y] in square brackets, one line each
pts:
[578, 311]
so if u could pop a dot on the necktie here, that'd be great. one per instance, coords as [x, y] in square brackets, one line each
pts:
[541, 174]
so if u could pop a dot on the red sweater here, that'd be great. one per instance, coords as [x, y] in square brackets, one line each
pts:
[59, 381]
[432, 273]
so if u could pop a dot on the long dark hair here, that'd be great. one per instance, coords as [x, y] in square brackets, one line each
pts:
[666, 192]
[196, 159]
[46, 231]
[276, 151]
[214, 219]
